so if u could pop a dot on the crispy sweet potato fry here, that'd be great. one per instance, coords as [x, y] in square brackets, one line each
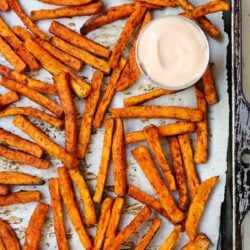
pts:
[20, 197]
[78, 40]
[201, 242]
[4, 189]
[130, 228]
[88, 204]
[8, 98]
[114, 221]
[197, 206]
[127, 31]
[109, 15]
[149, 234]
[45, 142]
[10, 55]
[164, 130]
[67, 2]
[32, 95]
[34, 230]
[16, 7]
[2, 247]
[172, 239]
[163, 3]
[68, 105]
[152, 136]
[106, 208]
[104, 165]
[4, 6]
[56, 205]
[69, 11]
[208, 8]
[143, 157]
[179, 171]
[108, 94]
[67, 192]
[88, 115]
[187, 156]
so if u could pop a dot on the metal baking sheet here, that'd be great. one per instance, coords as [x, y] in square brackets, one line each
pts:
[18, 215]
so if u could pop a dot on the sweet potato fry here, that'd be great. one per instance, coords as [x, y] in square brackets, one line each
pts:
[32, 95]
[45, 142]
[106, 208]
[143, 157]
[197, 206]
[34, 230]
[114, 221]
[171, 112]
[172, 239]
[88, 204]
[4, 190]
[67, 192]
[152, 136]
[10, 55]
[4, 6]
[109, 15]
[163, 3]
[78, 40]
[208, 8]
[165, 130]
[8, 98]
[130, 228]
[108, 94]
[20, 197]
[67, 2]
[127, 31]
[139, 99]
[209, 86]
[56, 205]
[103, 169]
[35, 113]
[201, 242]
[69, 11]
[8, 237]
[2, 247]
[149, 234]
[179, 171]
[131, 72]
[187, 156]
[88, 115]
[68, 105]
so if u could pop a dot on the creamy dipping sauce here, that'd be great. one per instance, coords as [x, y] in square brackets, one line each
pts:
[173, 51]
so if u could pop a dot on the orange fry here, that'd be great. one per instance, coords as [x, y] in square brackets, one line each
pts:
[66, 2]
[163, 3]
[201, 242]
[172, 239]
[4, 190]
[8, 98]
[4, 6]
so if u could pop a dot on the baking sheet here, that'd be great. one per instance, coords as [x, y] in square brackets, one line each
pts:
[18, 215]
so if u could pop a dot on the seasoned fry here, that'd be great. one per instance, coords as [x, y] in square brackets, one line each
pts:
[131, 72]
[114, 221]
[165, 130]
[4, 190]
[106, 208]
[88, 204]
[70, 11]
[103, 169]
[67, 192]
[108, 94]
[197, 206]
[130, 228]
[32, 95]
[35, 113]
[149, 235]
[110, 15]
[68, 105]
[78, 40]
[208, 8]
[201, 242]
[11, 56]
[172, 239]
[171, 112]
[56, 205]
[187, 156]
[4, 6]
[45, 142]
[20, 197]
[34, 230]
[163, 3]
[8, 98]
[2, 247]
[139, 99]
[179, 171]
[127, 31]
[209, 86]
[67, 2]
[88, 115]
[143, 157]
[153, 139]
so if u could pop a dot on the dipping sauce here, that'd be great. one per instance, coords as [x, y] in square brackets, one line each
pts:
[173, 51]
